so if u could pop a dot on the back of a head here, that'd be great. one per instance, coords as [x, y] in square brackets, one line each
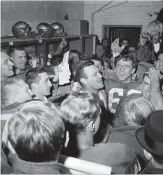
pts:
[57, 59]
[36, 131]
[9, 88]
[79, 71]
[80, 109]
[132, 109]
[137, 110]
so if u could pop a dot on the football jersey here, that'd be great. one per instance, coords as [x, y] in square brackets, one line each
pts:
[115, 90]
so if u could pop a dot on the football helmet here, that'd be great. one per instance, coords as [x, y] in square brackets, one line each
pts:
[58, 29]
[45, 30]
[21, 30]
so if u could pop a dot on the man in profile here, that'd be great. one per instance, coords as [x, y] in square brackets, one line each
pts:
[39, 82]
[6, 66]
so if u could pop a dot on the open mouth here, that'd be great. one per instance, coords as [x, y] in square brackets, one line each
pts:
[100, 81]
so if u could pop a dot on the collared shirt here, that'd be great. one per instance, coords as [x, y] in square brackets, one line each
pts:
[44, 99]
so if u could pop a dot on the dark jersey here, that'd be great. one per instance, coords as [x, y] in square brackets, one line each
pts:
[115, 90]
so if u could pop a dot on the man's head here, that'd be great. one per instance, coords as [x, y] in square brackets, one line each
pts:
[159, 63]
[18, 57]
[89, 76]
[132, 110]
[105, 42]
[37, 132]
[125, 42]
[6, 66]
[82, 111]
[155, 29]
[98, 63]
[15, 90]
[38, 80]
[99, 50]
[74, 54]
[125, 67]
[74, 57]
[150, 138]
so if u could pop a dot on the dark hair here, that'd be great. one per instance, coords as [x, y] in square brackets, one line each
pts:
[126, 39]
[73, 62]
[75, 51]
[32, 75]
[99, 45]
[128, 57]
[79, 71]
[57, 59]
[11, 50]
[105, 39]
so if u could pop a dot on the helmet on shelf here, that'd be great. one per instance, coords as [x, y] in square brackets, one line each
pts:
[58, 28]
[45, 30]
[21, 30]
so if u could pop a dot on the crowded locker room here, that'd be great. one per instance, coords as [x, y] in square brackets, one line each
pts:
[82, 87]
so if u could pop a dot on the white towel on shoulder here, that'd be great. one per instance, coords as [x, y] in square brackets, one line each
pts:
[63, 70]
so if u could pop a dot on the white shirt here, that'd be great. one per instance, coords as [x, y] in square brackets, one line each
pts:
[45, 99]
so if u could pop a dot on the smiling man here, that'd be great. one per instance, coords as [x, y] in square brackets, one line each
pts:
[19, 59]
[150, 47]
[125, 67]
[38, 80]
[89, 77]
[6, 66]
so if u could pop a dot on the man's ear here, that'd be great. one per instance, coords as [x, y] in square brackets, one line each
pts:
[147, 155]
[83, 80]
[92, 126]
[33, 86]
[67, 139]
[13, 98]
[11, 58]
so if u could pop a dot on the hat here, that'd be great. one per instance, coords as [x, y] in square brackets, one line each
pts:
[154, 26]
[160, 16]
[150, 137]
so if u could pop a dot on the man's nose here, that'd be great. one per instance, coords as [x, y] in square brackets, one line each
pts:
[100, 75]
[122, 68]
[49, 83]
[10, 63]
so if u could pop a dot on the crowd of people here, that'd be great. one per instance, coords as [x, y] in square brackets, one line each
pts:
[110, 112]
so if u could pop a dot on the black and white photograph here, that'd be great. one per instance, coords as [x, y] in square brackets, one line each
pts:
[81, 87]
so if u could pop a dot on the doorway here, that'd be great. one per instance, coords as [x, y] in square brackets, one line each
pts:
[132, 33]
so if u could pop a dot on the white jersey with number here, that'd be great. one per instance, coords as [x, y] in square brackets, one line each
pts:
[115, 90]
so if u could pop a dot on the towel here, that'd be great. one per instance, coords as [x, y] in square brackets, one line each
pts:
[63, 70]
